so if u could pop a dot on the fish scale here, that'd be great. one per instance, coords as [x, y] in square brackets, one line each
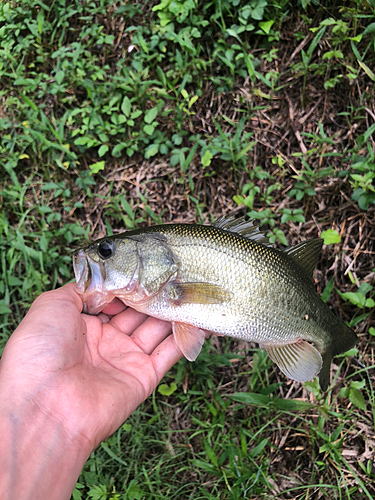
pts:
[223, 279]
[248, 315]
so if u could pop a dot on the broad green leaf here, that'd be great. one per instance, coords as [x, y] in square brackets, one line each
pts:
[358, 384]
[59, 77]
[233, 34]
[137, 113]
[192, 101]
[330, 236]
[352, 352]
[96, 167]
[31, 252]
[355, 298]
[369, 29]
[292, 404]
[103, 137]
[116, 151]
[126, 106]
[167, 390]
[149, 129]
[352, 278]
[76, 495]
[238, 199]
[98, 492]
[4, 309]
[273, 402]
[364, 288]
[162, 5]
[151, 150]
[357, 398]
[49, 185]
[82, 141]
[328, 22]
[134, 492]
[102, 150]
[206, 158]
[280, 236]
[251, 398]
[258, 10]
[43, 209]
[40, 20]
[344, 392]
[266, 26]
[328, 289]
[161, 75]
[150, 115]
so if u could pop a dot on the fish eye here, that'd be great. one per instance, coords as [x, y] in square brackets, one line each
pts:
[105, 249]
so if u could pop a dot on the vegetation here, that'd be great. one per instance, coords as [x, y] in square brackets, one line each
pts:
[118, 115]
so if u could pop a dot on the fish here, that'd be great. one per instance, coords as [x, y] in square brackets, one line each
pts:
[224, 279]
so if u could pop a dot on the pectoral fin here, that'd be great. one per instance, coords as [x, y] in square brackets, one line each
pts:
[198, 293]
[299, 361]
[189, 339]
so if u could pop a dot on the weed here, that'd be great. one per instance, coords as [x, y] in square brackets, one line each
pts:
[363, 181]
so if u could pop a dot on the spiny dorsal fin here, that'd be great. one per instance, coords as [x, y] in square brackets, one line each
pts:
[306, 254]
[299, 361]
[246, 228]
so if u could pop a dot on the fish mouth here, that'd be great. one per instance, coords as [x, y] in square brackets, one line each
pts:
[90, 276]
[81, 271]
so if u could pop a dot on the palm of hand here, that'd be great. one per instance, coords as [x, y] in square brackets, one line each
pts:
[88, 374]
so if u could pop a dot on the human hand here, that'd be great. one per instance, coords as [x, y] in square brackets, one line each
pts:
[82, 374]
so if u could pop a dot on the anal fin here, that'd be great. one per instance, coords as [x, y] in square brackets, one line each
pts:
[299, 361]
[189, 339]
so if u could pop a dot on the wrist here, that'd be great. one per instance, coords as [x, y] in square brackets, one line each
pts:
[40, 457]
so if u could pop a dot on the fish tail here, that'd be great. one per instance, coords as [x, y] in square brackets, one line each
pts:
[343, 339]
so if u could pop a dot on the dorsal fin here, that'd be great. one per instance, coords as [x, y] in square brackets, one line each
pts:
[246, 228]
[306, 254]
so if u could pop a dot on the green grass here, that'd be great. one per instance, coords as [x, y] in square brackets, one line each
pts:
[116, 116]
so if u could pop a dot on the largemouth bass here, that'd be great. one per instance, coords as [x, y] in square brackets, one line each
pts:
[224, 279]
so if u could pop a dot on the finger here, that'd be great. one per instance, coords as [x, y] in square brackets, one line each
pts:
[61, 298]
[54, 327]
[151, 333]
[50, 307]
[104, 318]
[115, 307]
[128, 320]
[165, 356]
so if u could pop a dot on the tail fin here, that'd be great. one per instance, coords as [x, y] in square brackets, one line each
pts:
[343, 339]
